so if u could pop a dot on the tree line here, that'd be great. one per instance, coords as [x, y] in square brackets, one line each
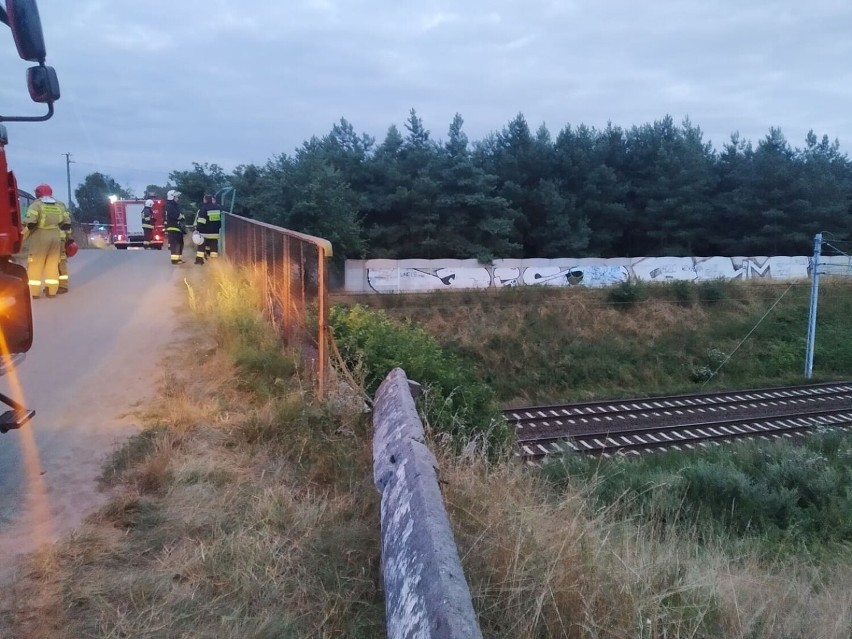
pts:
[651, 190]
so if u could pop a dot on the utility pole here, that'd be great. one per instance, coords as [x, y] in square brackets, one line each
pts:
[809, 352]
[68, 162]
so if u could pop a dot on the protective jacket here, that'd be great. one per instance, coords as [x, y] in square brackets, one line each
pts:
[208, 221]
[147, 218]
[174, 218]
[45, 221]
[47, 213]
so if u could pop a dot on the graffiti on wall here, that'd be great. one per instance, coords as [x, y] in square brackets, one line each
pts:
[426, 279]
[426, 275]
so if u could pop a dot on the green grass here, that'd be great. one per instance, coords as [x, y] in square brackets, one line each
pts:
[784, 496]
[247, 508]
[547, 345]
[455, 402]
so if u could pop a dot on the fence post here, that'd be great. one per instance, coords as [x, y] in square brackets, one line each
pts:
[322, 312]
[426, 593]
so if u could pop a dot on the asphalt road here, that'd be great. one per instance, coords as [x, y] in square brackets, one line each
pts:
[98, 354]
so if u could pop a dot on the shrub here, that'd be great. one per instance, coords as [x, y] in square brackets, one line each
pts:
[791, 494]
[713, 291]
[627, 294]
[458, 403]
[684, 292]
[707, 367]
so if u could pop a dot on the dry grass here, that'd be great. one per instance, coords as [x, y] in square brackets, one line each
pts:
[221, 524]
[246, 510]
[541, 565]
[583, 313]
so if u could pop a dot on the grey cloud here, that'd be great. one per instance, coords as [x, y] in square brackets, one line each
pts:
[150, 87]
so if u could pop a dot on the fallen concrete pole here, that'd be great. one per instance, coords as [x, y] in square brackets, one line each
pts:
[426, 593]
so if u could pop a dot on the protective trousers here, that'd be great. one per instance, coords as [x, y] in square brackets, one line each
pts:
[63, 263]
[148, 237]
[43, 261]
[211, 246]
[63, 268]
[176, 246]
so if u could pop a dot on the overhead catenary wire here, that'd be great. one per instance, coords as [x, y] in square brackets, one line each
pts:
[743, 340]
[839, 251]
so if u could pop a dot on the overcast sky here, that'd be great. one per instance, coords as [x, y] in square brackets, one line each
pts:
[150, 87]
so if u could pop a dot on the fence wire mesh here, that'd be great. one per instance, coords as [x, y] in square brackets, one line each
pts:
[292, 267]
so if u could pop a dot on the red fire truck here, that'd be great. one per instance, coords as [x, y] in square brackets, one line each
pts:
[126, 223]
[16, 315]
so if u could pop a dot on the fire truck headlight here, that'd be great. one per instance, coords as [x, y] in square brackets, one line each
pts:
[16, 320]
[7, 305]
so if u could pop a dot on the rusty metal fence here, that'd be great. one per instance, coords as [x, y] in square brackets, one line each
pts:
[293, 270]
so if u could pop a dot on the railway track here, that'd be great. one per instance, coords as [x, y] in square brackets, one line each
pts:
[679, 422]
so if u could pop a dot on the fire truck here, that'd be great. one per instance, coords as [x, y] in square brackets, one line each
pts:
[16, 315]
[126, 223]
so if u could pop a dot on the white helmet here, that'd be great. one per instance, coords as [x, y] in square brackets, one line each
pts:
[172, 195]
[197, 238]
[149, 203]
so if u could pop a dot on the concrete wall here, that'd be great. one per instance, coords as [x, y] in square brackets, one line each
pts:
[399, 276]
[426, 593]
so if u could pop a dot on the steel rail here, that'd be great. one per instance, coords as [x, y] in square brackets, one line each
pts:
[650, 425]
[637, 419]
[627, 406]
[684, 436]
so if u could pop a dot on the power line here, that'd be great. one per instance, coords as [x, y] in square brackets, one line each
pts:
[839, 252]
[742, 341]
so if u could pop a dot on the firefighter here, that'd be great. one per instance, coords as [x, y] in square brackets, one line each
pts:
[45, 220]
[208, 222]
[148, 223]
[64, 239]
[175, 226]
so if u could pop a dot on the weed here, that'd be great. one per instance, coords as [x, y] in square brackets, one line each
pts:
[684, 292]
[710, 363]
[786, 496]
[713, 291]
[460, 405]
[247, 509]
[263, 369]
[627, 294]
[137, 449]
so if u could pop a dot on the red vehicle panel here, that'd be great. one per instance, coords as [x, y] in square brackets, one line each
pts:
[10, 212]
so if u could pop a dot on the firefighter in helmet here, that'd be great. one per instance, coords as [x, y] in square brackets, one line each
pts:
[208, 222]
[46, 218]
[175, 226]
[64, 239]
[148, 223]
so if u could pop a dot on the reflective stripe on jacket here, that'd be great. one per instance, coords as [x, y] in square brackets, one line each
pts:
[174, 218]
[208, 221]
[47, 215]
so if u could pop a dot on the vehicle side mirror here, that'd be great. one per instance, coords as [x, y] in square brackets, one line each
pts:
[26, 29]
[43, 84]
[16, 311]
